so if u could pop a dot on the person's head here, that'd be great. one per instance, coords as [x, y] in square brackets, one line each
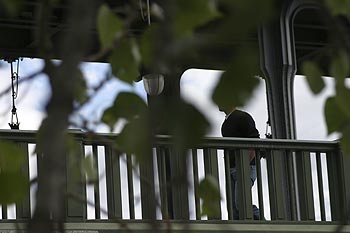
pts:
[226, 108]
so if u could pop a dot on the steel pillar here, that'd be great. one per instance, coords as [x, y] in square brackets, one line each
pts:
[278, 64]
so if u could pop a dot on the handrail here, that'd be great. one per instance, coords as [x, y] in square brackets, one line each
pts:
[207, 142]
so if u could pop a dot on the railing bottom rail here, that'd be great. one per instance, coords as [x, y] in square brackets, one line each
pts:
[108, 226]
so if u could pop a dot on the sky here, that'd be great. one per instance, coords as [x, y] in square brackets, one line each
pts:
[196, 88]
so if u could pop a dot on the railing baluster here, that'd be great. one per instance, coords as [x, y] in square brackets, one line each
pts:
[259, 179]
[304, 175]
[277, 186]
[148, 196]
[23, 208]
[129, 167]
[320, 185]
[163, 190]
[179, 188]
[292, 184]
[211, 168]
[229, 194]
[339, 189]
[244, 193]
[345, 174]
[75, 185]
[114, 199]
[4, 211]
[97, 184]
[196, 183]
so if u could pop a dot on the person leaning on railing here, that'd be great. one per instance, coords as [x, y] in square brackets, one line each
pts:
[241, 124]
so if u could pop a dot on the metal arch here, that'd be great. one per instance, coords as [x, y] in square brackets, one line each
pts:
[279, 66]
[289, 15]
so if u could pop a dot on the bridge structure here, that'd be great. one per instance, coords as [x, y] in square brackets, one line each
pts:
[302, 186]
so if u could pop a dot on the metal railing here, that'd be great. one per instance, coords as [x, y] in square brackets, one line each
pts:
[314, 175]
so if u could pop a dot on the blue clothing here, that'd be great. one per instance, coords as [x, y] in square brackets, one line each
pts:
[233, 173]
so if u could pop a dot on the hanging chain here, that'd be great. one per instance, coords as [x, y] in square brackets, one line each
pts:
[148, 12]
[14, 124]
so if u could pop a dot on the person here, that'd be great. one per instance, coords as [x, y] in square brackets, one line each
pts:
[241, 124]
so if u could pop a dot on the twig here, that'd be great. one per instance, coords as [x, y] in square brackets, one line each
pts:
[25, 79]
[95, 89]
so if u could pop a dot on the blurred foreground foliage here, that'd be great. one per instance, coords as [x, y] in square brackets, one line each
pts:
[336, 110]
[13, 183]
[164, 47]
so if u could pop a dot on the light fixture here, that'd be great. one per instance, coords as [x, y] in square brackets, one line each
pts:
[153, 83]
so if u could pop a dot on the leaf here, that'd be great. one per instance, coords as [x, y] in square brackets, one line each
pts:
[74, 157]
[345, 141]
[192, 14]
[335, 119]
[209, 192]
[313, 76]
[12, 157]
[342, 100]
[80, 93]
[339, 7]
[136, 138]
[12, 7]
[183, 121]
[125, 60]
[189, 125]
[147, 42]
[238, 82]
[109, 26]
[88, 168]
[14, 187]
[127, 105]
[340, 66]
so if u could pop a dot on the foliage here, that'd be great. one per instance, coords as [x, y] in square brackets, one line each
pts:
[191, 14]
[13, 183]
[336, 110]
[313, 76]
[209, 192]
[109, 26]
[164, 47]
[11, 6]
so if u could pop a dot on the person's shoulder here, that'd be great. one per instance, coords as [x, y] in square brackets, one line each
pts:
[242, 113]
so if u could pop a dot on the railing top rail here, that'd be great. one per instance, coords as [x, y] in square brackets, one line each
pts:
[29, 136]
[273, 144]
